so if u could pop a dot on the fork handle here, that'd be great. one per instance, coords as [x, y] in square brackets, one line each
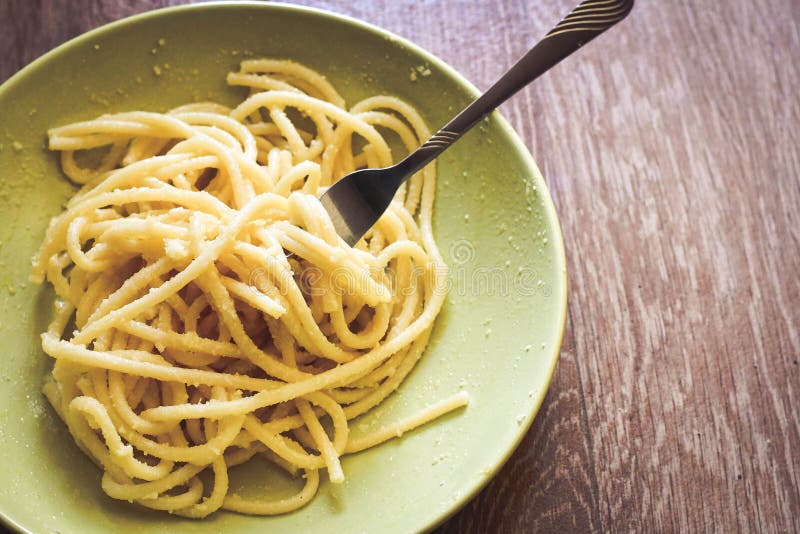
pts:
[588, 20]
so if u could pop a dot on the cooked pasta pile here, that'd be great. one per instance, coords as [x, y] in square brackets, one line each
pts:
[207, 312]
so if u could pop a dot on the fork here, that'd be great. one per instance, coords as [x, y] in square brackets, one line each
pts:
[355, 202]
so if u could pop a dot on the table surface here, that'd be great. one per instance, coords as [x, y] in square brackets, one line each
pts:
[672, 152]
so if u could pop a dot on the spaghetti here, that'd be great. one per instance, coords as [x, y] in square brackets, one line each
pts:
[208, 313]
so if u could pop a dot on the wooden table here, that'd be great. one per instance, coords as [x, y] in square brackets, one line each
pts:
[672, 151]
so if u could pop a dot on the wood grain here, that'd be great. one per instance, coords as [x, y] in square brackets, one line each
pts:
[671, 147]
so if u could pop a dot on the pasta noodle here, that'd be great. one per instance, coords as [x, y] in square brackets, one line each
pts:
[206, 310]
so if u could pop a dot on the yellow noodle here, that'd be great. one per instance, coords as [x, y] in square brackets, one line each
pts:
[217, 315]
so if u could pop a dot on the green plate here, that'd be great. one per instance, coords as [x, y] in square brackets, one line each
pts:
[497, 338]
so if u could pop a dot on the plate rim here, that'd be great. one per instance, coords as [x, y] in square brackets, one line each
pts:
[519, 146]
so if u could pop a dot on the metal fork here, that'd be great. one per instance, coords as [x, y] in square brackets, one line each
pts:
[357, 201]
